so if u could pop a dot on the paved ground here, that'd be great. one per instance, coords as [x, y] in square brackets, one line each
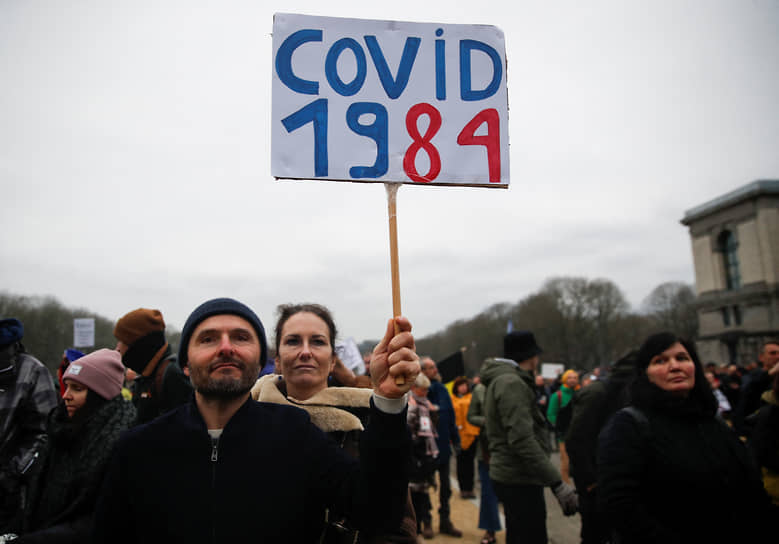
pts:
[465, 516]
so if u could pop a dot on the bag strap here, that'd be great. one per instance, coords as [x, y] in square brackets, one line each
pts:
[161, 368]
[640, 418]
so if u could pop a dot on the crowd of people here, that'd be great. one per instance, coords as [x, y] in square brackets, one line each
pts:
[231, 436]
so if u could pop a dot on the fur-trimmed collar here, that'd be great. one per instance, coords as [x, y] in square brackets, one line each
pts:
[324, 407]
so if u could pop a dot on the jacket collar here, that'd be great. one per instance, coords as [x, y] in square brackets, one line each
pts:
[325, 408]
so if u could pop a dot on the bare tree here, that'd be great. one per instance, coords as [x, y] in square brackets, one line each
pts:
[671, 306]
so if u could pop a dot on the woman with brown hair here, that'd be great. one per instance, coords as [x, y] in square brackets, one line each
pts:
[305, 348]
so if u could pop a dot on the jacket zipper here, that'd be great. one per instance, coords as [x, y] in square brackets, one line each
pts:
[214, 459]
[30, 463]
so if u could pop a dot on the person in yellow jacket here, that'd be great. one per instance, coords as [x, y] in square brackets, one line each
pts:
[461, 400]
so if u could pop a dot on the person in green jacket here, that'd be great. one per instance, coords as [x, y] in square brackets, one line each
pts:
[520, 467]
[560, 405]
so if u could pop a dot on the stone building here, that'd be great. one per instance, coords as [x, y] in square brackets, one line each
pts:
[735, 246]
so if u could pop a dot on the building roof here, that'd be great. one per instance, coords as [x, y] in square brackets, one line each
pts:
[748, 191]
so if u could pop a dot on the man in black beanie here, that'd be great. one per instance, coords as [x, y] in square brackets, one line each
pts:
[193, 475]
[161, 384]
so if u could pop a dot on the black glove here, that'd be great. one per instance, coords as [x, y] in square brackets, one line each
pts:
[567, 497]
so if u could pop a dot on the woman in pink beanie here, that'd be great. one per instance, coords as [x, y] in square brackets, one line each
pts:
[82, 431]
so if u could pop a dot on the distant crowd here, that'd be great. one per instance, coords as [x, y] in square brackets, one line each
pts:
[234, 438]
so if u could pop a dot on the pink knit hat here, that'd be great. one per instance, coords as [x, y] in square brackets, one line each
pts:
[101, 371]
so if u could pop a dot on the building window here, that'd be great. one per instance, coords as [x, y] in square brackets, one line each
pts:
[726, 316]
[729, 248]
[737, 315]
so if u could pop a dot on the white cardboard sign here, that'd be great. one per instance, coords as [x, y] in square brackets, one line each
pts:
[349, 354]
[83, 332]
[388, 101]
[551, 371]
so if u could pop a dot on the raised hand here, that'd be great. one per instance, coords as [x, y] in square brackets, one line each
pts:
[394, 356]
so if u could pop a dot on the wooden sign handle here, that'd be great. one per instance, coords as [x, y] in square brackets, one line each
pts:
[392, 191]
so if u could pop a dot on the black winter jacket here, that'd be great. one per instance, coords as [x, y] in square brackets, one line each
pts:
[268, 478]
[63, 495]
[27, 395]
[159, 393]
[680, 476]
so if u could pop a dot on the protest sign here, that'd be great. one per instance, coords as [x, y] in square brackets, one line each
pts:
[350, 356]
[551, 371]
[84, 332]
[387, 101]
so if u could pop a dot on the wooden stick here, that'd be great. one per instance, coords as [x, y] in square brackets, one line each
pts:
[392, 191]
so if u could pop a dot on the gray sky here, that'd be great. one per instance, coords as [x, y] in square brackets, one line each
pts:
[135, 158]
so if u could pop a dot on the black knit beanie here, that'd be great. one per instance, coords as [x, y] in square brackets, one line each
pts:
[221, 306]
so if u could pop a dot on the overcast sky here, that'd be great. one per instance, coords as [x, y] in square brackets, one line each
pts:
[135, 158]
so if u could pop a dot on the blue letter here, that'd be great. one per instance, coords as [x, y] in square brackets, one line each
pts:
[284, 61]
[466, 93]
[376, 131]
[440, 67]
[316, 113]
[331, 67]
[394, 87]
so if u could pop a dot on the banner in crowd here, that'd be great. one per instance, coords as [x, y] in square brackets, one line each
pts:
[349, 354]
[84, 332]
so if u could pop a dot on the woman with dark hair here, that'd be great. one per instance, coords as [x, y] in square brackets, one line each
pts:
[668, 467]
[81, 431]
[305, 348]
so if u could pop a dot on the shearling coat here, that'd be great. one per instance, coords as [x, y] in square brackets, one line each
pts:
[341, 412]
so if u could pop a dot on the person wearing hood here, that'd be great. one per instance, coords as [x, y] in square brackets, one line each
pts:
[27, 395]
[516, 427]
[161, 384]
[668, 466]
[82, 431]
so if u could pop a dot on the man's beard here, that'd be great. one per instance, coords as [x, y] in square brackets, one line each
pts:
[227, 387]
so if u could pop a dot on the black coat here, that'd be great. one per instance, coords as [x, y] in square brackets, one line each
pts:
[268, 478]
[581, 442]
[63, 495]
[680, 476]
[167, 388]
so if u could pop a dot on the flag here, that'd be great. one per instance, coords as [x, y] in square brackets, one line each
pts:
[451, 367]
